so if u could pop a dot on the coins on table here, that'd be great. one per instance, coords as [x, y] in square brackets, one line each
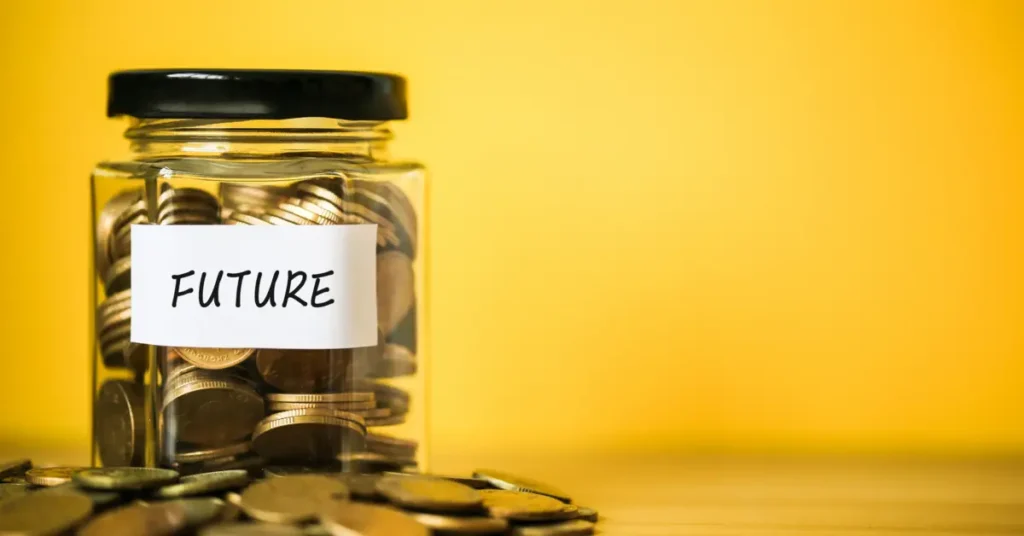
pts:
[307, 499]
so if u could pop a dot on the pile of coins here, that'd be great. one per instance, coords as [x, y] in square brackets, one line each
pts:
[234, 502]
[244, 408]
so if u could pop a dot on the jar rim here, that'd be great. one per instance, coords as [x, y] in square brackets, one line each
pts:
[256, 94]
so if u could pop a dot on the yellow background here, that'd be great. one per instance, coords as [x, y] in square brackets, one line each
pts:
[661, 226]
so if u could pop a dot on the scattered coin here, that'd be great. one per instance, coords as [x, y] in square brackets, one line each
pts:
[251, 529]
[475, 483]
[125, 478]
[429, 494]
[347, 518]
[43, 513]
[587, 514]
[575, 527]
[13, 490]
[462, 525]
[292, 499]
[139, 519]
[523, 506]
[14, 468]
[204, 483]
[506, 481]
[214, 358]
[51, 476]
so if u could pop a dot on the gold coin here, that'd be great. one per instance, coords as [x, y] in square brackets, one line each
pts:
[119, 276]
[306, 439]
[205, 483]
[587, 514]
[461, 524]
[316, 217]
[245, 219]
[506, 481]
[576, 527]
[119, 424]
[188, 219]
[323, 398]
[292, 499]
[195, 195]
[320, 412]
[139, 519]
[251, 529]
[274, 220]
[354, 407]
[401, 210]
[51, 476]
[212, 454]
[124, 478]
[212, 413]
[371, 462]
[14, 467]
[394, 420]
[323, 210]
[214, 358]
[43, 513]
[105, 219]
[523, 506]
[369, 520]
[382, 443]
[303, 371]
[429, 494]
[287, 216]
[396, 287]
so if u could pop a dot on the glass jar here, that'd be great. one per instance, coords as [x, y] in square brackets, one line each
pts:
[211, 351]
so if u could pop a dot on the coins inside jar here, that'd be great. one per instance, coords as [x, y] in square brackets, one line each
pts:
[230, 407]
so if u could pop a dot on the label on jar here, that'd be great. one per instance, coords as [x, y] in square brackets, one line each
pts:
[239, 286]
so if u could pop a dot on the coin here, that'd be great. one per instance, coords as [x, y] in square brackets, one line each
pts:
[198, 510]
[587, 514]
[308, 436]
[475, 483]
[372, 413]
[118, 423]
[105, 224]
[292, 499]
[402, 213]
[396, 360]
[245, 219]
[137, 519]
[193, 195]
[251, 529]
[212, 413]
[302, 371]
[355, 407]
[100, 499]
[396, 287]
[118, 277]
[386, 444]
[524, 506]
[193, 456]
[371, 462]
[204, 483]
[461, 524]
[576, 527]
[125, 478]
[429, 494]
[511, 482]
[43, 513]
[14, 467]
[369, 520]
[13, 490]
[51, 476]
[361, 486]
[214, 358]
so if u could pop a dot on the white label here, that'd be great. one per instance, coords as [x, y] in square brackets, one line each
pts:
[261, 286]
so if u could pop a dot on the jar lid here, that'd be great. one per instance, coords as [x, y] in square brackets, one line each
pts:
[256, 94]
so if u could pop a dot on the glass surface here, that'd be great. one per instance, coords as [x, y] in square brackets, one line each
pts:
[172, 407]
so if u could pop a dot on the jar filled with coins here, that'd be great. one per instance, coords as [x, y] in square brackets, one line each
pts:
[260, 275]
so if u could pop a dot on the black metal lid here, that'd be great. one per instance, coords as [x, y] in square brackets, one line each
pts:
[256, 94]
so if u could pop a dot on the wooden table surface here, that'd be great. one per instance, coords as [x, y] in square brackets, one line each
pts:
[664, 495]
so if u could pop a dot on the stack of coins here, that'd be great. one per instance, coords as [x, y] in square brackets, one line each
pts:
[222, 408]
[136, 500]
